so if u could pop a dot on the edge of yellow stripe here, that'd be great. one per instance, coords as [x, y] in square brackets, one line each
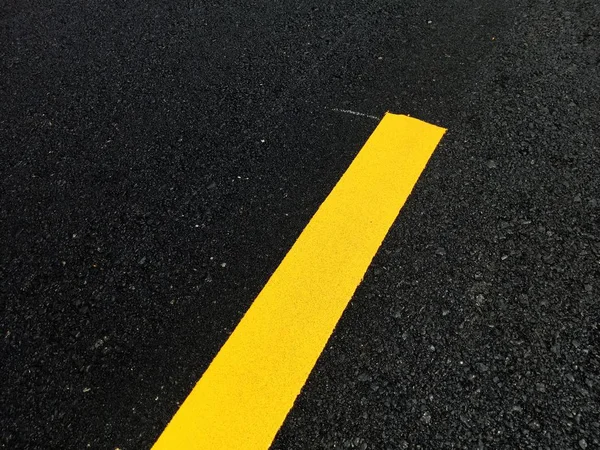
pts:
[245, 394]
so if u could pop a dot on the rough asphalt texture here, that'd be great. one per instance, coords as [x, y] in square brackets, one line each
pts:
[158, 160]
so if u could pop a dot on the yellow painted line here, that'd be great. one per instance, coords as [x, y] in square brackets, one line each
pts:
[245, 394]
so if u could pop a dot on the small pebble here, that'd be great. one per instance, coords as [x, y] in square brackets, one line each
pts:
[426, 418]
[364, 377]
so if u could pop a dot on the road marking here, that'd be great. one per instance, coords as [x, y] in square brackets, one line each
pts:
[247, 391]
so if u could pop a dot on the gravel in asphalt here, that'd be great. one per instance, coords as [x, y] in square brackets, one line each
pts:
[158, 160]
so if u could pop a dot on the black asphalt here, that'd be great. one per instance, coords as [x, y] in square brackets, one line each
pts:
[158, 159]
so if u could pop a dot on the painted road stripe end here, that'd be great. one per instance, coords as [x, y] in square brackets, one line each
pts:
[247, 391]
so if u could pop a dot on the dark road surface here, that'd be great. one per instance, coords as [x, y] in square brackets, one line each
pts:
[158, 159]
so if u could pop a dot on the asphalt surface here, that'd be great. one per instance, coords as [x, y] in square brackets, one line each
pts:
[158, 160]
